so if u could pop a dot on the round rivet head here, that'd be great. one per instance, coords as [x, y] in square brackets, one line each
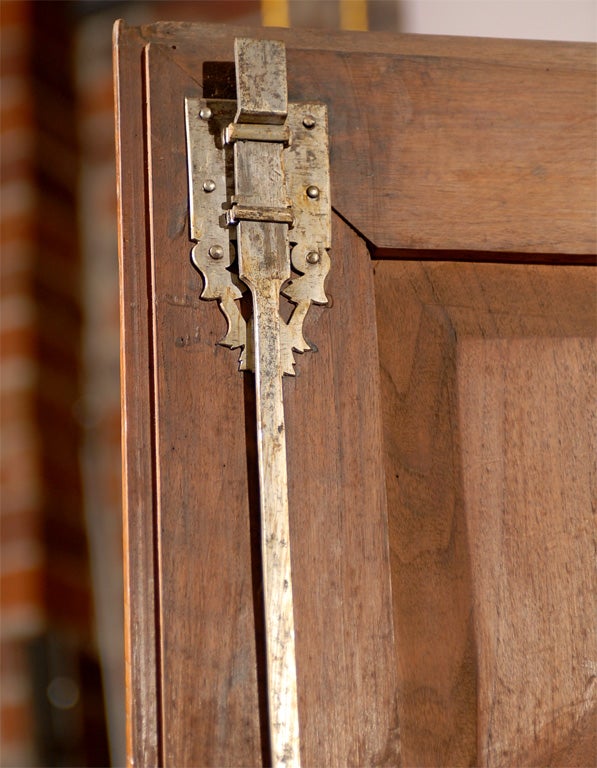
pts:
[209, 185]
[313, 192]
[313, 257]
[216, 252]
[309, 121]
[205, 113]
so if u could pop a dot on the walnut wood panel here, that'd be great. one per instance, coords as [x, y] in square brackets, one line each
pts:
[438, 145]
[209, 694]
[488, 383]
[454, 144]
[211, 649]
[345, 639]
[142, 679]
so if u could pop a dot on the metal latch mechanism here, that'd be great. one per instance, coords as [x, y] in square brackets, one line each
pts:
[260, 160]
[261, 219]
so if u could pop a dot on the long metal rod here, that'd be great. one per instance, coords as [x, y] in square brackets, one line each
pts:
[275, 534]
[264, 265]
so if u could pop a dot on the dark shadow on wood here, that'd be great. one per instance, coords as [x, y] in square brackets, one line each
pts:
[488, 257]
[256, 562]
[219, 80]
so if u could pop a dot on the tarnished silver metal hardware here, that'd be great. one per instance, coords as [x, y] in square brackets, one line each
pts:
[248, 132]
[259, 213]
[212, 135]
[265, 226]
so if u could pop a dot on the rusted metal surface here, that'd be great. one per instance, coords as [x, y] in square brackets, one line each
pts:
[261, 87]
[248, 132]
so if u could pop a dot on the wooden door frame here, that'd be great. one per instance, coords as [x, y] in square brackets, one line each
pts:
[519, 214]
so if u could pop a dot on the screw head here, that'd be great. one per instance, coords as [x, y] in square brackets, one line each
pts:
[309, 122]
[313, 257]
[205, 113]
[312, 192]
[209, 185]
[216, 252]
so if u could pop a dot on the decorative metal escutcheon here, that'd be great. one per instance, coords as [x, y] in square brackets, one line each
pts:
[261, 218]
[214, 131]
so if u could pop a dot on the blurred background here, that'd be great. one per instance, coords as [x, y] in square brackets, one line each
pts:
[61, 609]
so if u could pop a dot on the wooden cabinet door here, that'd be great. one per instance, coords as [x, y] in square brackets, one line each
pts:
[441, 454]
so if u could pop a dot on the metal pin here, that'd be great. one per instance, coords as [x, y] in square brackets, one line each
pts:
[313, 192]
[313, 257]
[309, 121]
[216, 252]
[205, 113]
[209, 185]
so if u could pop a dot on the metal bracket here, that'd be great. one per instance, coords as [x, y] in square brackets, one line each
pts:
[259, 187]
[215, 128]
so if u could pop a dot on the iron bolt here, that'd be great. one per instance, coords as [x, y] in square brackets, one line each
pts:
[205, 113]
[313, 192]
[309, 121]
[313, 257]
[216, 252]
[209, 185]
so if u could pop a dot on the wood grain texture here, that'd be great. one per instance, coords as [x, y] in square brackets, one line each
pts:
[141, 664]
[488, 384]
[437, 143]
[338, 518]
[211, 638]
[210, 704]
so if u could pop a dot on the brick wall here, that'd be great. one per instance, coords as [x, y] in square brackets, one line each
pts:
[21, 563]
[46, 628]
